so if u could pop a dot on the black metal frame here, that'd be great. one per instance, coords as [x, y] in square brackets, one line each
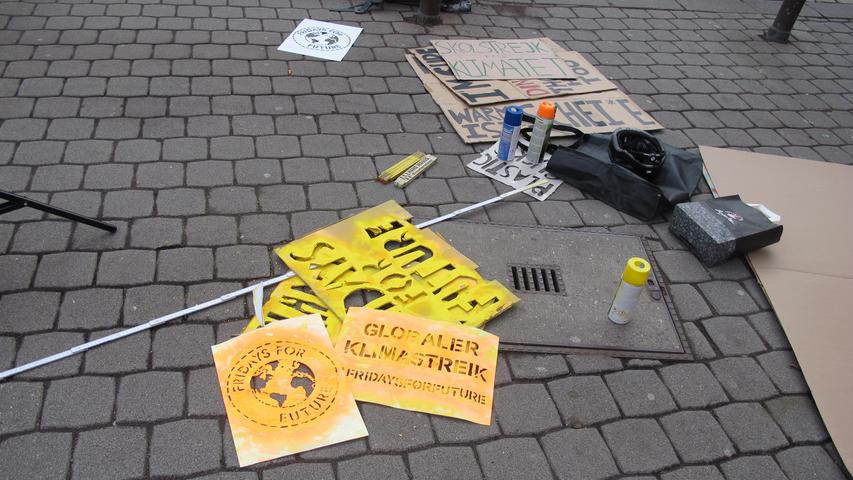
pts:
[14, 202]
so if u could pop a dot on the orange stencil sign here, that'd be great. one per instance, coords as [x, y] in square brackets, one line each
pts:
[285, 391]
[414, 363]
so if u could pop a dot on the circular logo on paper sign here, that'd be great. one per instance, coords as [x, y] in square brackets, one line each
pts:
[322, 39]
[283, 384]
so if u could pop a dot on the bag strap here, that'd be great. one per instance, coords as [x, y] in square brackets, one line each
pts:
[525, 132]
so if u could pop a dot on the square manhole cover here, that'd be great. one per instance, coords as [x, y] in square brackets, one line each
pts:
[566, 280]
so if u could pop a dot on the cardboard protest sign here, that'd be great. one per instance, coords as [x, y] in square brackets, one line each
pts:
[320, 39]
[502, 59]
[481, 92]
[379, 256]
[591, 113]
[285, 391]
[419, 364]
[516, 172]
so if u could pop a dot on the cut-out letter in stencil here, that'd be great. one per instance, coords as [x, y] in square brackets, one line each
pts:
[285, 391]
[418, 364]
[379, 256]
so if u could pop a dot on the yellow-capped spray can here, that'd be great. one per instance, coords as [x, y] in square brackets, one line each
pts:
[628, 295]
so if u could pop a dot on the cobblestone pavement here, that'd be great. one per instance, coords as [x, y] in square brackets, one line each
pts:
[179, 121]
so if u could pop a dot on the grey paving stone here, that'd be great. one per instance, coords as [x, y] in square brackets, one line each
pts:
[583, 400]
[210, 173]
[639, 392]
[137, 151]
[444, 463]
[693, 385]
[554, 213]
[211, 230]
[185, 264]
[242, 262]
[203, 395]
[110, 453]
[160, 175]
[534, 366]
[747, 468]
[579, 454]
[323, 146]
[395, 430]
[750, 427]
[697, 437]
[305, 170]
[126, 355]
[78, 402]
[688, 303]
[584, 364]
[451, 430]
[733, 336]
[595, 213]
[728, 298]
[525, 409]
[18, 308]
[809, 462]
[203, 292]
[90, 308]
[783, 369]
[767, 325]
[336, 451]
[185, 447]
[306, 222]
[519, 458]
[142, 304]
[681, 266]
[179, 346]
[127, 267]
[128, 204]
[798, 417]
[51, 178]
[181, 201]
[639, 445]
[352, 168]
[150, 396]
[429, 191]
[21, 269]
[156, 232]
[232, 200]
[743, 379]
[20, 403]
[108, 176]
[269, 229]
[66, 269]
[36, 346]
[184, 149]
[258, 171]
[372, 466]
[43, 455]
[704, 472]
[300, 470]
[332, 196]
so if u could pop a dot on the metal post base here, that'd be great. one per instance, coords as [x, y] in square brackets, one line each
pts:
[788, 13]
[429, 13]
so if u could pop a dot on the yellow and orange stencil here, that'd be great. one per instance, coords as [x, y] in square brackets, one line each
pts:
[418, 364]
[285, 390]
[380, 255]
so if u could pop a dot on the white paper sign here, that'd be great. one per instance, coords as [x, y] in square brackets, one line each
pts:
[516, 172]
[320, 39]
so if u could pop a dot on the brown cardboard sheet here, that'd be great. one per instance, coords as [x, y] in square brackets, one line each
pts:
[489, 59]
[482, 92]
[591, 113]
[808, 275]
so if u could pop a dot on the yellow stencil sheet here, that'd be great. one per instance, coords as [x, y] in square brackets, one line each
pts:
[285, 391]
[418, 364]
[379, 254]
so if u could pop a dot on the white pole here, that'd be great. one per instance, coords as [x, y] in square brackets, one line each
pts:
[258, 287]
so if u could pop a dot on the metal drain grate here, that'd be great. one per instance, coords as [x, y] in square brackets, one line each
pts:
[545, 279]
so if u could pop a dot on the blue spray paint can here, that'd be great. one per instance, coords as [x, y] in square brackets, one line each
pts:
[509, 133]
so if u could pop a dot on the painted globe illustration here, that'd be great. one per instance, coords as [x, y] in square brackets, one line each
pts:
[322, 36]
[286, 383]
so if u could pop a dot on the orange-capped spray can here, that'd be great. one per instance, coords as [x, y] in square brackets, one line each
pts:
[633, 282]
[541, 131]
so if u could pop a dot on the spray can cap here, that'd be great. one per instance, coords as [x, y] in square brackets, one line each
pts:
[636, 271]
[512, 115]
[547, 110]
